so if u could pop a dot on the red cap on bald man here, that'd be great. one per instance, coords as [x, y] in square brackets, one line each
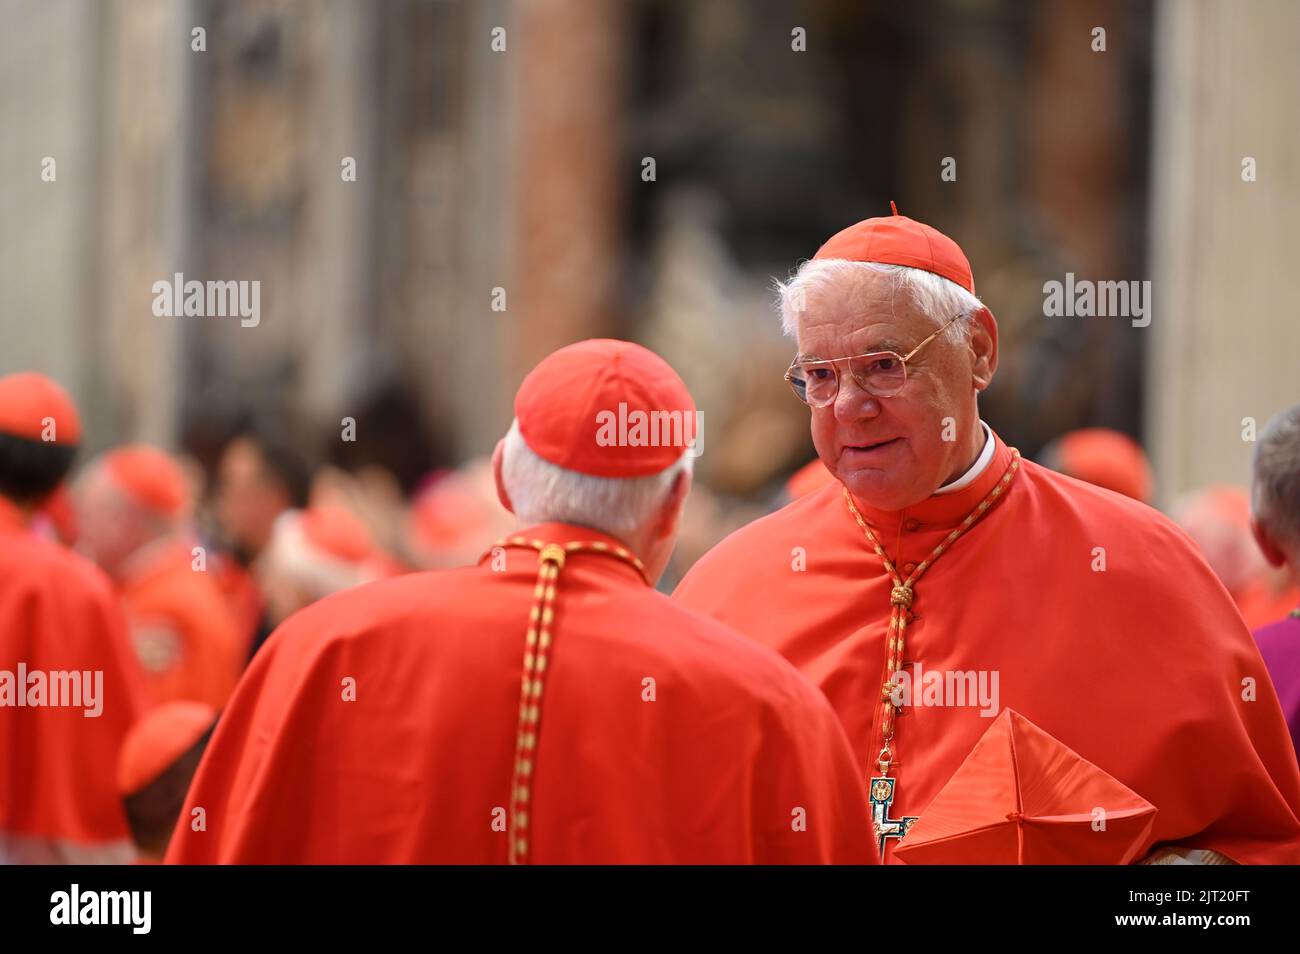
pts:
[897, 240]
[150, 476]
[34, 408]
[337, 533]
[1106, 458]
[606, 408]
[158, 740]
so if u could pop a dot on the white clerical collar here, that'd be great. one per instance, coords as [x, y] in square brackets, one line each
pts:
[977, 468]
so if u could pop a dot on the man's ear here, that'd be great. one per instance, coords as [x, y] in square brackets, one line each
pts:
[1272, 552]
[671, 511]
[497, 456]
[984, 348]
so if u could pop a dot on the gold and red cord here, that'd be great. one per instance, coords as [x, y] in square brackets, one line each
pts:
[900, 602]
[537, 644]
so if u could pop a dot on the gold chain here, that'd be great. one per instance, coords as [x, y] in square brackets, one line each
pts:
[901, 597]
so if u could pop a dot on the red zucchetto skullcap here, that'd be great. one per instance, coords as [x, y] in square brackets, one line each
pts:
[150, 476]
[158, 740]
[897, 240]
[30, 403]
[1108, 459]
[606, 408]
[337, 533]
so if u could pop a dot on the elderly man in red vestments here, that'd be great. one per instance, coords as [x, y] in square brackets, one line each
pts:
[313, 553]
[133, 512]
[546, 705]
[942, 578]
[69, 685]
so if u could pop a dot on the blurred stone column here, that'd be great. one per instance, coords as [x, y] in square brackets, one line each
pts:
[568, 173]
[50, 66]
[1225, 333]
[335, 293]
[461, 215]
[148, 194]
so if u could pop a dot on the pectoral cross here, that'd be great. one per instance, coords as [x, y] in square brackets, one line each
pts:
[881, 794]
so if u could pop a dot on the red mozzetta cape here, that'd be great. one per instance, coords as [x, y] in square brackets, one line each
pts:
[664, 737]
[187, 636]
[1143, 667]
[58, 767]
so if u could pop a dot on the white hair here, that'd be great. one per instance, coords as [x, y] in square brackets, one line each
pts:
[1275, 494]
[936, 296]
[542, 492]
[318, 574]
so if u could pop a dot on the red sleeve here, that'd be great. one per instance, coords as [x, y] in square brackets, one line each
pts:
[58, 763]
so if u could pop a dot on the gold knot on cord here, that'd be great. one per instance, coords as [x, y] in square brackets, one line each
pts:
[553, 553]
[901, 595]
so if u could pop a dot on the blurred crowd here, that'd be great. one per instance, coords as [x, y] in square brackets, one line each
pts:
[208, 561]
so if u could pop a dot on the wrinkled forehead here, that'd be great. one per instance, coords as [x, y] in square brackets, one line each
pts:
[855, 313]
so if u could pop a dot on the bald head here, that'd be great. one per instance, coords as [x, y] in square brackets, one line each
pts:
[113, 522]
[1275, 498]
